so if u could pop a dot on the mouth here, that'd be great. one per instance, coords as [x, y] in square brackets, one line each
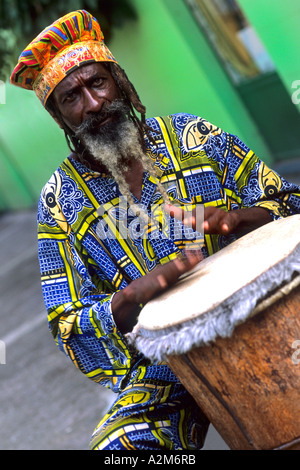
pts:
[105, 121]
[93, 125]
[112, 114]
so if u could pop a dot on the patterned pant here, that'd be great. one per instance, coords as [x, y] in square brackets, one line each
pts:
[151, 414]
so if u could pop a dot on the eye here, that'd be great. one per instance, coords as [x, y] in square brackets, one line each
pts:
[71, 96]
[97, 81]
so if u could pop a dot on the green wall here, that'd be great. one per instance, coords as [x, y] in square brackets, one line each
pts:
[31, 148]
[278, 25]
[173, 69]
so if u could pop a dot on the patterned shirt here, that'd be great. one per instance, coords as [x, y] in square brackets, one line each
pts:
[91, 244]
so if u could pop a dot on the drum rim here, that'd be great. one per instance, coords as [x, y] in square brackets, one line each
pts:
[179, 339]
[176, 339]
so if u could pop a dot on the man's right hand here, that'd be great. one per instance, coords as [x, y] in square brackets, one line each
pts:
[126, 302]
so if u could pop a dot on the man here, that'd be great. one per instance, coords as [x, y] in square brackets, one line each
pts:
[105, 246]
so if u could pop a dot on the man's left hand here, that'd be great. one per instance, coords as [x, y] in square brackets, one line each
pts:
[219, 221]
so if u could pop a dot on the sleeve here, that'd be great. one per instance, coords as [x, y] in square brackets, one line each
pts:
[79, 308]
[244, 179]
[255, 183]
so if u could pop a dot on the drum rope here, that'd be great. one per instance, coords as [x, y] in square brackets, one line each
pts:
[220, 399]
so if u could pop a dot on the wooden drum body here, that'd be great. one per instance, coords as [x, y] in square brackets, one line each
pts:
[250, 387]
[228, 331]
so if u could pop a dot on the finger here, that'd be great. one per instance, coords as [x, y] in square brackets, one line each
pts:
[229, 222]
[224, 228]
[186, 217]
[174, 211]
[169, 273]
[213, 220]
[209, 212]
[162, 282]
[217, 221]
[194, 256]
[188, 261]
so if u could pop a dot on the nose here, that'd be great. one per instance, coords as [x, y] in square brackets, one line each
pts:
[92, 102]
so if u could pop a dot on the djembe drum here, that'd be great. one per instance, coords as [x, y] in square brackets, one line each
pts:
[228, 331]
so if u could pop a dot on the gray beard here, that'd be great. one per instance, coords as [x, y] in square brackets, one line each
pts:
[114, 144]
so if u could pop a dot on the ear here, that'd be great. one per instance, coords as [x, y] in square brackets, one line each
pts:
[56, 119]
[53, 111]
[58, 122]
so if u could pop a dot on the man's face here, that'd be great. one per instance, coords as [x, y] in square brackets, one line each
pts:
[85, 92]
[90, 104]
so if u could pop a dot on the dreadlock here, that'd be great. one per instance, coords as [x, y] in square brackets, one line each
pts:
[131, 97]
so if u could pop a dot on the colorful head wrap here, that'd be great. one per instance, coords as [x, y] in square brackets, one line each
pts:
[71, 41]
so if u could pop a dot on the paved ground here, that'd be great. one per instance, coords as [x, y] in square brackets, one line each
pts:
[46, 404]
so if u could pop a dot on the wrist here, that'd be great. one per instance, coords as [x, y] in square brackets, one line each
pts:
[251, 218]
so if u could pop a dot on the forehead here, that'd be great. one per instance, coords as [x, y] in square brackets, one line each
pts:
[81, 74]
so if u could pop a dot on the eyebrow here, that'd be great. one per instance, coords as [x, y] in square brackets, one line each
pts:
[74, 88]
[70, 91]
[65, 93]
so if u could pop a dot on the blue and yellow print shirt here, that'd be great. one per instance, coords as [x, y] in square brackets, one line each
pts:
[91, 243]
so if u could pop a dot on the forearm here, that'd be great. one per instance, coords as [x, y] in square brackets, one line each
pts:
[251, 218]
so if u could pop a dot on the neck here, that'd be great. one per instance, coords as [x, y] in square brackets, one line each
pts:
[134, 177]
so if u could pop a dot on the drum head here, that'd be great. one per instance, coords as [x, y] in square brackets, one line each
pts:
[223, 290]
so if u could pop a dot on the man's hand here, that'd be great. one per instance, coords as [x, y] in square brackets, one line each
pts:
[219, 221]
[126, 303]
